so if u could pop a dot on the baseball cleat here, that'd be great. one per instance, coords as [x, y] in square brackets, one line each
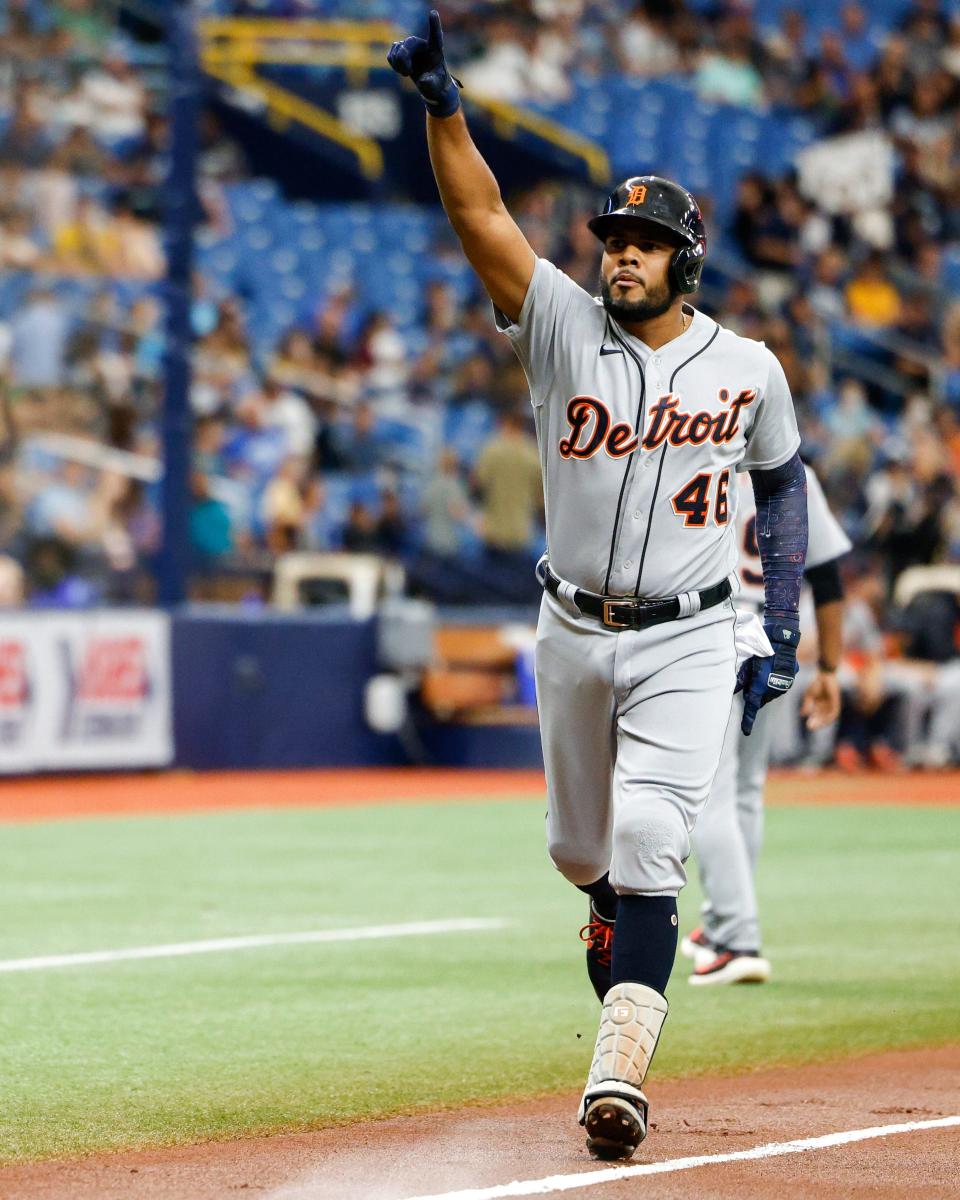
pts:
[615, 1126]
[731, 966]
[695, 943]
[598, 934]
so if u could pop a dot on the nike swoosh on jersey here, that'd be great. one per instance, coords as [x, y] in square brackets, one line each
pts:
[610, 350]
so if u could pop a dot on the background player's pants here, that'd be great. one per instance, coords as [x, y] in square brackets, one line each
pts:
[729, 834]
[632, 725]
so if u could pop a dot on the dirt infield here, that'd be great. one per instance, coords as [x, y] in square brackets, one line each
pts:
[64, 797]
[436, 1154]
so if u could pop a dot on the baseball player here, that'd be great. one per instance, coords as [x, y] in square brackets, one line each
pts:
[729, 831]
[645, 409]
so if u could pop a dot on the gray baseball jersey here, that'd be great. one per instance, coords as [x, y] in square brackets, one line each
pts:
[639, 446]
[826, 539]
[729, 831]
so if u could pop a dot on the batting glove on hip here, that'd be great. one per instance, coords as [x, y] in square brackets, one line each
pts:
[421, 59]
[764, 679]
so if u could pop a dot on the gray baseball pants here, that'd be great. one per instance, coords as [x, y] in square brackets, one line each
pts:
[632, 725]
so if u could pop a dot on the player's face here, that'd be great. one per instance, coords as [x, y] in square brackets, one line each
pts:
[634, 279]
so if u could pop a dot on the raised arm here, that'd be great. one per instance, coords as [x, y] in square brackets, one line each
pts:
[491, 239]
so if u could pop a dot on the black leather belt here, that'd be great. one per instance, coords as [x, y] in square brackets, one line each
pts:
[634, 612]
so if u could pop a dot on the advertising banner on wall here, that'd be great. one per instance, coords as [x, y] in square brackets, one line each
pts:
[85, 690]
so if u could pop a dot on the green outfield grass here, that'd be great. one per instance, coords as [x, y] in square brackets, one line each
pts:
[860, 909]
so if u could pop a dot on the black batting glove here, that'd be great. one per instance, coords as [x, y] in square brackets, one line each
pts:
[764, 679]
[421, 59]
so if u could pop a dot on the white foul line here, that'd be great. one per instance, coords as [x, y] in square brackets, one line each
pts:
[586, 1179]
[254, 942]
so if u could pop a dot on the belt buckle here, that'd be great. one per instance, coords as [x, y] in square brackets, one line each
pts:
[608, 619]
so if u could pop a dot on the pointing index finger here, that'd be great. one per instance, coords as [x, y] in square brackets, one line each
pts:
[435, 36]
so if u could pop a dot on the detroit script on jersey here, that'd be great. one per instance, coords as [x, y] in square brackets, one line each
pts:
[592, 428]
[639, 446]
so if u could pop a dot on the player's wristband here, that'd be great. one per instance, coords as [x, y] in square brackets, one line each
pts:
[825, 669]
[447, 101]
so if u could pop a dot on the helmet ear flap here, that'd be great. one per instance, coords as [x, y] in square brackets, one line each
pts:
[686, 266]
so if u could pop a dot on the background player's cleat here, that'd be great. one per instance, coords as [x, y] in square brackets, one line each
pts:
[598, 934]
[615, 1125]
[731, 966]
[696, 943]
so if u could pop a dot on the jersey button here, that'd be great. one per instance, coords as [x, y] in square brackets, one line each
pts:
[637, 514]
[628, 563]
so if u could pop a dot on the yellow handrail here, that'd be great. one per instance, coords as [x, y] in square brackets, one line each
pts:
[254, 41]
[294, 108]
[307, 30]
[507, 117]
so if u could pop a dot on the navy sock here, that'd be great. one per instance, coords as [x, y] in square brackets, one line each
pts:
[603, 896]
[645, 941]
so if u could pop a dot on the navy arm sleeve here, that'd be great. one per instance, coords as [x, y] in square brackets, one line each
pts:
[781, 495]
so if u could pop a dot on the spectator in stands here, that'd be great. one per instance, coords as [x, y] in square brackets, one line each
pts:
[644, 46]
[138, 252]
[507, 480]
[859, 43]
[53, 577]
[392, 535]
[786, 63]
[283, 409]
[360, 533]
[12, 589]
[64, 507]
[25, 142]
[445, 507]
[382, 356]
[112, 100]
[88, 244]
[39, 341]
[726, 73]
[211, 536]
[357, 444]
[19, 248]
[872, 299]
[283, 508]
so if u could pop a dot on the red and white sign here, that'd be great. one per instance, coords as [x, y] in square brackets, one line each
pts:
[85, 690]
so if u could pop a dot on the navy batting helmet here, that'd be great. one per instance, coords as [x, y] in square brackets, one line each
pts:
[666, 204]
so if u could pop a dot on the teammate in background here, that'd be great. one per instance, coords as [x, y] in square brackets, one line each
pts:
[729, 831]
[644, 410]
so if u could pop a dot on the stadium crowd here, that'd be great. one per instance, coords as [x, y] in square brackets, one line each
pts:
[305, 444]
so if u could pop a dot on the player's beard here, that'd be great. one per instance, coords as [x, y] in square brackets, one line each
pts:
[627, 312]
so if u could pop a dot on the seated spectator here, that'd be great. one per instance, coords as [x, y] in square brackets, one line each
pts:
[726, 74]
[283, 508]
[12, 588]
[391, 527]
[112, 99]
[25, 142]
[445, 507]
[138, 251]
[53, 579]
[360, 533]
[507, 479]
[357, 444]
[64, 508]
[785, 58]
[285, 410]
[211, 535]
[859, 44]
[89, 243]
[39, 333]
[644, 46]
[19, 248]
[872, 298]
